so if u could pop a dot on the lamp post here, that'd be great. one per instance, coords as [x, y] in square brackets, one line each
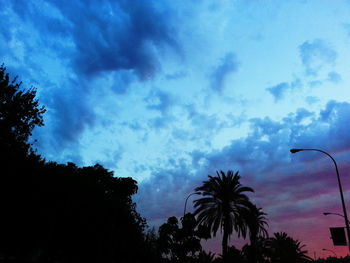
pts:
[329, 213]
[324, 249]
[187, 200]
[340, 189]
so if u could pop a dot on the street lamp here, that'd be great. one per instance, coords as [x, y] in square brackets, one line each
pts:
[328, 213]
[340, 189]
[187, 200]
[324, 249]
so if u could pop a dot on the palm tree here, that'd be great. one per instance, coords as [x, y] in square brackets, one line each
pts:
[256, 222]
[283, 248]
[222, 205]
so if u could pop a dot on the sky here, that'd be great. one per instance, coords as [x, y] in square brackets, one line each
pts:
[168, 92]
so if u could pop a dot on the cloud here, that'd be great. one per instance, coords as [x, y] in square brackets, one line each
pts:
[115, 35]
[265, 163]
[111, 157]
[311, 100]
[334, 77]
[315, 54]
[164, 194]
[69, 114]
[161, 103]
[121, 80]
[161, 122]
[159, 100]
[229, 64]
[279, 91]
[176, 75]
[201, 127]
[314, 83]
[347, 28]
[103, 46]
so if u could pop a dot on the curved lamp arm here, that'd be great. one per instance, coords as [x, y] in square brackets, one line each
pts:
[340, 188]
[187, 200]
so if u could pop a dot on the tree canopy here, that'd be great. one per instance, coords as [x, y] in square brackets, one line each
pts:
[20, 112]
[224, 199]
[54, 212]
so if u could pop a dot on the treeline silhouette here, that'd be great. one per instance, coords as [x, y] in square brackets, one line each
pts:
[225, 206]
[59, 212]
[182, 244]
[62, 213]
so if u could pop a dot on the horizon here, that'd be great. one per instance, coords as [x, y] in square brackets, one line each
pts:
[169, 92]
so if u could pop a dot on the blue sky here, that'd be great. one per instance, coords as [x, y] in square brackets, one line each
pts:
[167, 92]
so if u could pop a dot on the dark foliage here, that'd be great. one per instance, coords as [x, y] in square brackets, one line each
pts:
[55, 212]
[181, 244]
[19, 114]
[223, 206]
[256, 222]
[280, 248]
[283, 248]
[63, 213]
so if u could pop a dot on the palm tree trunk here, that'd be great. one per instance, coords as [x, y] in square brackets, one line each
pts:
[225, 242]
[224, 246]
[254, 251]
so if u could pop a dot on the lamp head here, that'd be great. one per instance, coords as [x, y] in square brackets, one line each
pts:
[295, 150]
[326, 213]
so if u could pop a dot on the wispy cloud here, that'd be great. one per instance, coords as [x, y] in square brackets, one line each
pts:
[280, 90]
[228, 65]
[334, 77]
[315, 54]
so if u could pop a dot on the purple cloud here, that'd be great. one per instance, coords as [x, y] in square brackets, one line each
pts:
[290, 188]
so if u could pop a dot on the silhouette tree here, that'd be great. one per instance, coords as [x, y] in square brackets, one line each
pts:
[181, 244]
[222, 206]
[59, 212]
[256, 222]
[151, 240]
[284, 249]
[19, 114]
[90, 216]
